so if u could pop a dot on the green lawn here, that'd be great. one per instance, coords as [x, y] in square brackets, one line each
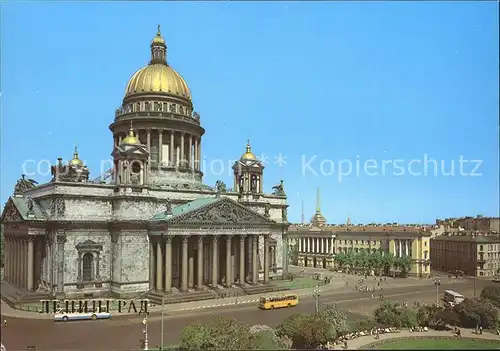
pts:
[427, 344]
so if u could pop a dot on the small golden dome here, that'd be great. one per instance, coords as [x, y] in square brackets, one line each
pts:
[248, 155]
[157, 78]
[130, 139]
[76, 161]
[158, 39]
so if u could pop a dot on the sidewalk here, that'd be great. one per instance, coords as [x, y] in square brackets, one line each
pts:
[361, 342]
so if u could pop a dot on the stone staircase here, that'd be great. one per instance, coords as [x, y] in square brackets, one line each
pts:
[177, 297]
[15, 298]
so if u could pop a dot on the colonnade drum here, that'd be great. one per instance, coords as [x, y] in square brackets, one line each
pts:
[181, 149]
[199, 261]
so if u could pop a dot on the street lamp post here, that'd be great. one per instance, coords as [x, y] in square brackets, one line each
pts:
[437, 283]
[145, 332]
[162, 314]
[316, 292]
[475, 272]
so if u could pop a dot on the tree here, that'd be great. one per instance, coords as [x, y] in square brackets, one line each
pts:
[388, 262]
[290, 326]
[395, 315]
[197, 336]
[491, 293]
[405, 264]
[293, 253]
[340, 260]
[263, 337]
[362, 325]
[376, 262]
[221, 333]
[426, 315]
[335, 317]
[475, 311]
[306, 331]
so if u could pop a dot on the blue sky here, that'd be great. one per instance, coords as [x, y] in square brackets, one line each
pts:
[342, 81]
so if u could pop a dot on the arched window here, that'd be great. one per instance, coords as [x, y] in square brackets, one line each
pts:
[88, 261]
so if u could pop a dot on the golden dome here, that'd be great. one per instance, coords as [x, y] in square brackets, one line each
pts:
[158, 39]
[158, 77]
[130, 139]
[248, 155]
[76, 161]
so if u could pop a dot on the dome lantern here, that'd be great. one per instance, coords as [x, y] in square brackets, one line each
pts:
[248, 155]
[130, 139]
[76, 160]
[158, 49]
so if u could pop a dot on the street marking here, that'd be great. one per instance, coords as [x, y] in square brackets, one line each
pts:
[303, 294]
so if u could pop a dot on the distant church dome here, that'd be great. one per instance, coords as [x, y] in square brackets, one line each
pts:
[158, 77]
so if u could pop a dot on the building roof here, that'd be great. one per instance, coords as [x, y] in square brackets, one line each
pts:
[185, 208]
[21, 205]
[470, 238]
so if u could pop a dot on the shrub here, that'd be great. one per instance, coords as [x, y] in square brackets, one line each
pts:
[266, 339]
[335, 317]
[394, 315]
[491, 293]
[307, 331]
[221, 333]
[472, 312]
[362, 325]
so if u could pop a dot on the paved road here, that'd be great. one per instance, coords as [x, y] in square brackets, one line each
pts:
[125, 332]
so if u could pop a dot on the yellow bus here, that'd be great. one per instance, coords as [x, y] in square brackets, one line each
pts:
[272, 302]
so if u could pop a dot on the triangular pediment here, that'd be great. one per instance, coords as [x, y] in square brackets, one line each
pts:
[11, 213]
[248, 164]
[126, 151]
[222, 211]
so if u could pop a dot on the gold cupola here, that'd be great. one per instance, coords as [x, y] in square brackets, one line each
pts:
[158, 77]
[130, 139]
[75, 161]
[248, 155]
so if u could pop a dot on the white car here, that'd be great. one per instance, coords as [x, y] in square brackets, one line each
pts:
[77, 316]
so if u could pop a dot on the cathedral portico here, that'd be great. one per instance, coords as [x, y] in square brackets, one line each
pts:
[224, 232]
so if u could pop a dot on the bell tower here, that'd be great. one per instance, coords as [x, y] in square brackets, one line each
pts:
[130, 161]
[248, 174]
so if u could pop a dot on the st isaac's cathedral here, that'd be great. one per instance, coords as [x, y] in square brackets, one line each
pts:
[149, 224]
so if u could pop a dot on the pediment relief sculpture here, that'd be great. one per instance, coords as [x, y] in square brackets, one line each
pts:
[57, 207]
[11, 213]
[223, 212]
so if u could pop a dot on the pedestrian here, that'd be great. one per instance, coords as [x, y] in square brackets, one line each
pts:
[480, 330]
[4, 322]
[477, 329]
[372, 294]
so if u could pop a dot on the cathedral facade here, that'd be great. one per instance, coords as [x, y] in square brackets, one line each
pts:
[149, 223]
